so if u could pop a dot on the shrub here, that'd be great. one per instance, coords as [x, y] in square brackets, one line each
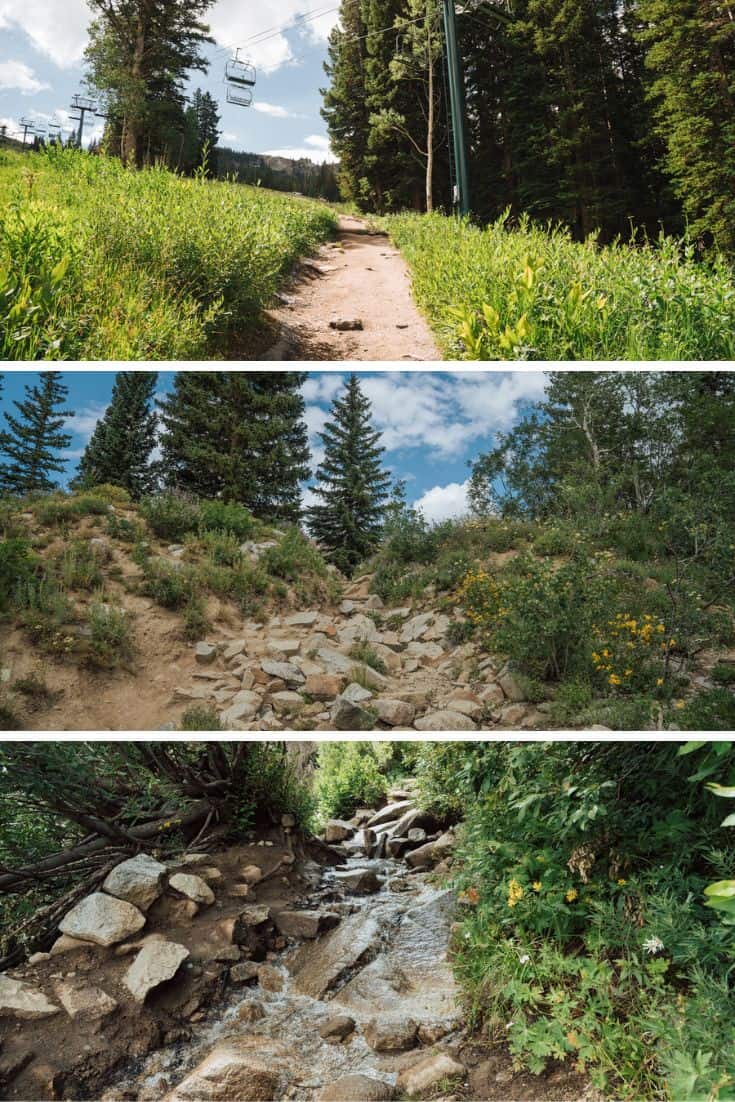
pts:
[223, 548]
[120, 528]
[33, 686]
[348, 777]
[196, 623]
[171, 516]
[712, 710]
[113, 495]
[272, 783]
[200, 717]
[17, 565]
[631, 654]
[169, 586]
[293, 557]
[111, 638]
[723, 674]
[366, 653]
[228, 517]
[78, 566]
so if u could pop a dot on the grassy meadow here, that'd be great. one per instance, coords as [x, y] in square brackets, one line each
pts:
[97, 262]
[532, 293]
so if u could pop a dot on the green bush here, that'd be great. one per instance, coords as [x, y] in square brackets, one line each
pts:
[222, 548]
[723, 674]
[111, 636]
[17, 564]
[171, 516]
[366, 653]
[713, 710]
[200, 717]
[349, 776]
[169, 586]
[78, 566]
[227, 517]
[293, 557]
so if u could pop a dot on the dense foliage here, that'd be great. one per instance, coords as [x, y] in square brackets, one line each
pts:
[32, 438]
[119, 450]
[100, 262]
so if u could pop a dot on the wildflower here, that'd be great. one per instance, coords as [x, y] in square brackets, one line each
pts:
[621, 882]
[536, 885]
[571, 895]
[659, 681]
[472, 896]
[679, 704]
[653, 945]
[524, 958]
[614, 679]
[515, 893]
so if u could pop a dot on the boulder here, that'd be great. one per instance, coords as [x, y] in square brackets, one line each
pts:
[305, 924]
[356, 693]
[234, 650]
[66, 944]
[356, 1088]
[391, 812]
[371, 677]
[269, 978]
[245, 705]
[510, 686]
[347, 716]
[323, 686]
[302, 619]
[414, 628]
[102, 919]
[396, 713]
[391, 1034]
[431, 652]
[85, 1002]
[417, 835]
[244, 972]
[193, 887]
[240, 1070]
[444, 721]
[428, 855]
[466, 705]
[337, 830]
[358, 881]
[287, 702]
[156, 962]
[139, 881]
[205, 653]
[336, 1029]
[334, 660]
[282, 670]
[416, 1080]
[251, 874]
[319, 965]
[20, 1000]
[491, 694]
[287, 648]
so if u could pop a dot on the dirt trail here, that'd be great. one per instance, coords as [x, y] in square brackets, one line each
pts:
[358, 277]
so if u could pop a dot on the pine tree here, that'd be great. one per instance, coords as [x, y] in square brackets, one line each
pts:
[119, 451]
[238, 435]
[350, 481]
[35, 438]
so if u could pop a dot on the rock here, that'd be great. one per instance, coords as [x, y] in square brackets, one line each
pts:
[358, 881]
[102, 919]
[374, 602]
[430, 651]
[283, 670]
[391, 1035]
[174, 911]
[319, 965]
[305, 924]
[466, 706]
[205, 653]
[38, 958]
[429, 1071]
[323, 686]
[244, 972]
[428, 855]
[251, 874]
[269, 978]
[336, 830]
[250, 1012]
[85, 1002]
[356, 693]
[156, 962]
[416, 834]
[371, 677]
[414, 628]
[391, 812]
[226, 954]
[287, 702]
[66, 944]
[347, 716]
[491, 694]
[193, 887]
[510, 686]
[346, 324]
[20, 1000]
[514, 715]
[234, 650]
[138, 881]
[286, 647]
[211, 875]
[245, 705]
[356, 1088]
[396, 713]
[347, 607]
[415, 818]
[302, 619]
[444, 721]
[336, 1029]
[235, 1071]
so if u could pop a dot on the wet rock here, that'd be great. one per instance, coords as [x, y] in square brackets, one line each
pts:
[193, 887]
[20, 1000]
[235, 1071]
[429, 854]
[391, 812]
[337, 830]
[347, 716]
[391, 1035]
[250, 1012]
[286, 672]
[424, 1075]
[324, 686]
[138, 881]
[227, 954]
[156, 962]
[445, 721]
[356, 1088]
[205, 653]
[102, 919]
[305, 924]
[358, 881]
[269, 978]
[336, 1029]
[319, 965]
[85, 1002]
[417, 834]
[252, 930]
[396, 713]
[244, 972]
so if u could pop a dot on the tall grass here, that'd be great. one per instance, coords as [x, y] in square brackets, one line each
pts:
[533, 293]
[98, 262]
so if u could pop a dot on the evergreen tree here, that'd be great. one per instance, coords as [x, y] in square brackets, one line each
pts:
[351, 482]
[119, 451]
[239, 435]
[35, 438]
[201, 133]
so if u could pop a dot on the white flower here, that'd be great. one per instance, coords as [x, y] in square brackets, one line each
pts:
[524, 958]
[510, 1025]
[653, 945]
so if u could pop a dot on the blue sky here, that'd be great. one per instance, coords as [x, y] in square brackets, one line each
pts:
[42, 43]
[432, 423]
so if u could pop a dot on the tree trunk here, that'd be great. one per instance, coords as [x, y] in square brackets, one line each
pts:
[430, 123]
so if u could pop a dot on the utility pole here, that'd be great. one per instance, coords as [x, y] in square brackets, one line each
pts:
[27, 125]
[458, 107]
[84, 107]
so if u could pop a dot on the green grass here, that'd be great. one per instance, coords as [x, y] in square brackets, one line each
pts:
[99, 262]
[533, 293]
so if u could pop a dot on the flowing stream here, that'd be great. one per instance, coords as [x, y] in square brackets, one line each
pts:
[401, 973]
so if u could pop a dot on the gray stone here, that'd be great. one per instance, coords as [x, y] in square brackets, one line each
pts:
[241, 1069]
[356, 693]
[193, 887]
[244, 972]
[336, 1029]
[429, 854]
[287, 702]
[417, 834]
[336, 830]
[346, 324]
[205, 653]
[444, 721]
[102, 919]
[85, 1002]
[391, 813]
[429, 1071]
[391, 1034]
[510, 686]
[305, 924]
[287, 647]
[157, 962]
[347, 716]
[138, 880]
[19, 1000]
[302, 619]
[356, 1088]
[319, 965]
[358, 881]
[396, 713]
[282, 670]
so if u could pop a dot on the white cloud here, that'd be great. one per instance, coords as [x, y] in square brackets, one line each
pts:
[444, 502]
[84, 421]
[269, 23]
[56, 28]
[315, 148]
[272, 109]
[17, 76]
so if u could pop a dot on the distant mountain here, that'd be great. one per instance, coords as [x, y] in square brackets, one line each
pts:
[280, 173]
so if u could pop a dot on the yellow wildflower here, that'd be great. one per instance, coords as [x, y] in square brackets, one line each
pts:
[621, 882]
[571, 895]
[536, 885]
